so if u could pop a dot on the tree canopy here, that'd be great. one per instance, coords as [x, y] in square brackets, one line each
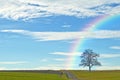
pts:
[89, 59]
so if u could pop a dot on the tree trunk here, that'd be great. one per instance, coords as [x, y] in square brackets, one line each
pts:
[89, 68]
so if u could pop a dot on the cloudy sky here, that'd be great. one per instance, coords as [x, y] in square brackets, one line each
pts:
[39, 34]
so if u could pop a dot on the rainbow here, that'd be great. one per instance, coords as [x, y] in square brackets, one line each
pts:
[92, 26]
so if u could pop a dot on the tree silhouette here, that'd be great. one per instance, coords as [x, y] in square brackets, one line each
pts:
[89, 59]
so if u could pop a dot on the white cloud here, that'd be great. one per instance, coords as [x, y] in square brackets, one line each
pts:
[105, 55]
[66, 54]
[115, 47]
[108, 68]
[99, 68]
[62, 67]
[55, 59]
[15, 31]
[7, 68]
[52, 67]
[59, 59]
[49, 36]
[3, 68]
[15, 62]
[44, 60]
[66, 26]
[109, 55]
[26, 9]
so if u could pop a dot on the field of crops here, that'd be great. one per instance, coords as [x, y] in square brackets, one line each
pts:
[97, 75]
[30, 76]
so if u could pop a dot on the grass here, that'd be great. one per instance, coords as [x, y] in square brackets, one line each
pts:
[81, 75]
[30, 76]
[97, 75]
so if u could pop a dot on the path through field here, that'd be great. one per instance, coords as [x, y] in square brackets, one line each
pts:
[70, 75]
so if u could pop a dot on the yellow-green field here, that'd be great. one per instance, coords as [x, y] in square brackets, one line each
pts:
[30, 76]
[97, 75]
[81, 75]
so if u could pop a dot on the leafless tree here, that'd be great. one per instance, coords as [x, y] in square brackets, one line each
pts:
[89, 59]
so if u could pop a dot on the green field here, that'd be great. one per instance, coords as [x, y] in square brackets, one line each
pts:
[97, 75]
[30, 76]
[81, 75]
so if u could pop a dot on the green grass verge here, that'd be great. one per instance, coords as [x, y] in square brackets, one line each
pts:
[97, 75]
[30, 76]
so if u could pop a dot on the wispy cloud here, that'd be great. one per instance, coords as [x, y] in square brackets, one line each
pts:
[66, 26]
[13, 62]
[62, 67]
[52, 67]
[102, 55]
[66, 54]
[53, 59]
[3, 68]
[44, 60]
[59, 59]
[26, 9]
[108, 68]
[109, 55]
[101, 68]
[50, 36]
[115, 47]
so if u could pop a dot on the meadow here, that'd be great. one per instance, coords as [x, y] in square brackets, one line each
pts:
[97, 75]
[30, 76]
[81, 75]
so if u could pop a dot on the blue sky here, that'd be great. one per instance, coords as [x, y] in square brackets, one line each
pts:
[39, 34]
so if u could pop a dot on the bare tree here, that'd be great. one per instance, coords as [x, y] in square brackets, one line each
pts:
[89, 59]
